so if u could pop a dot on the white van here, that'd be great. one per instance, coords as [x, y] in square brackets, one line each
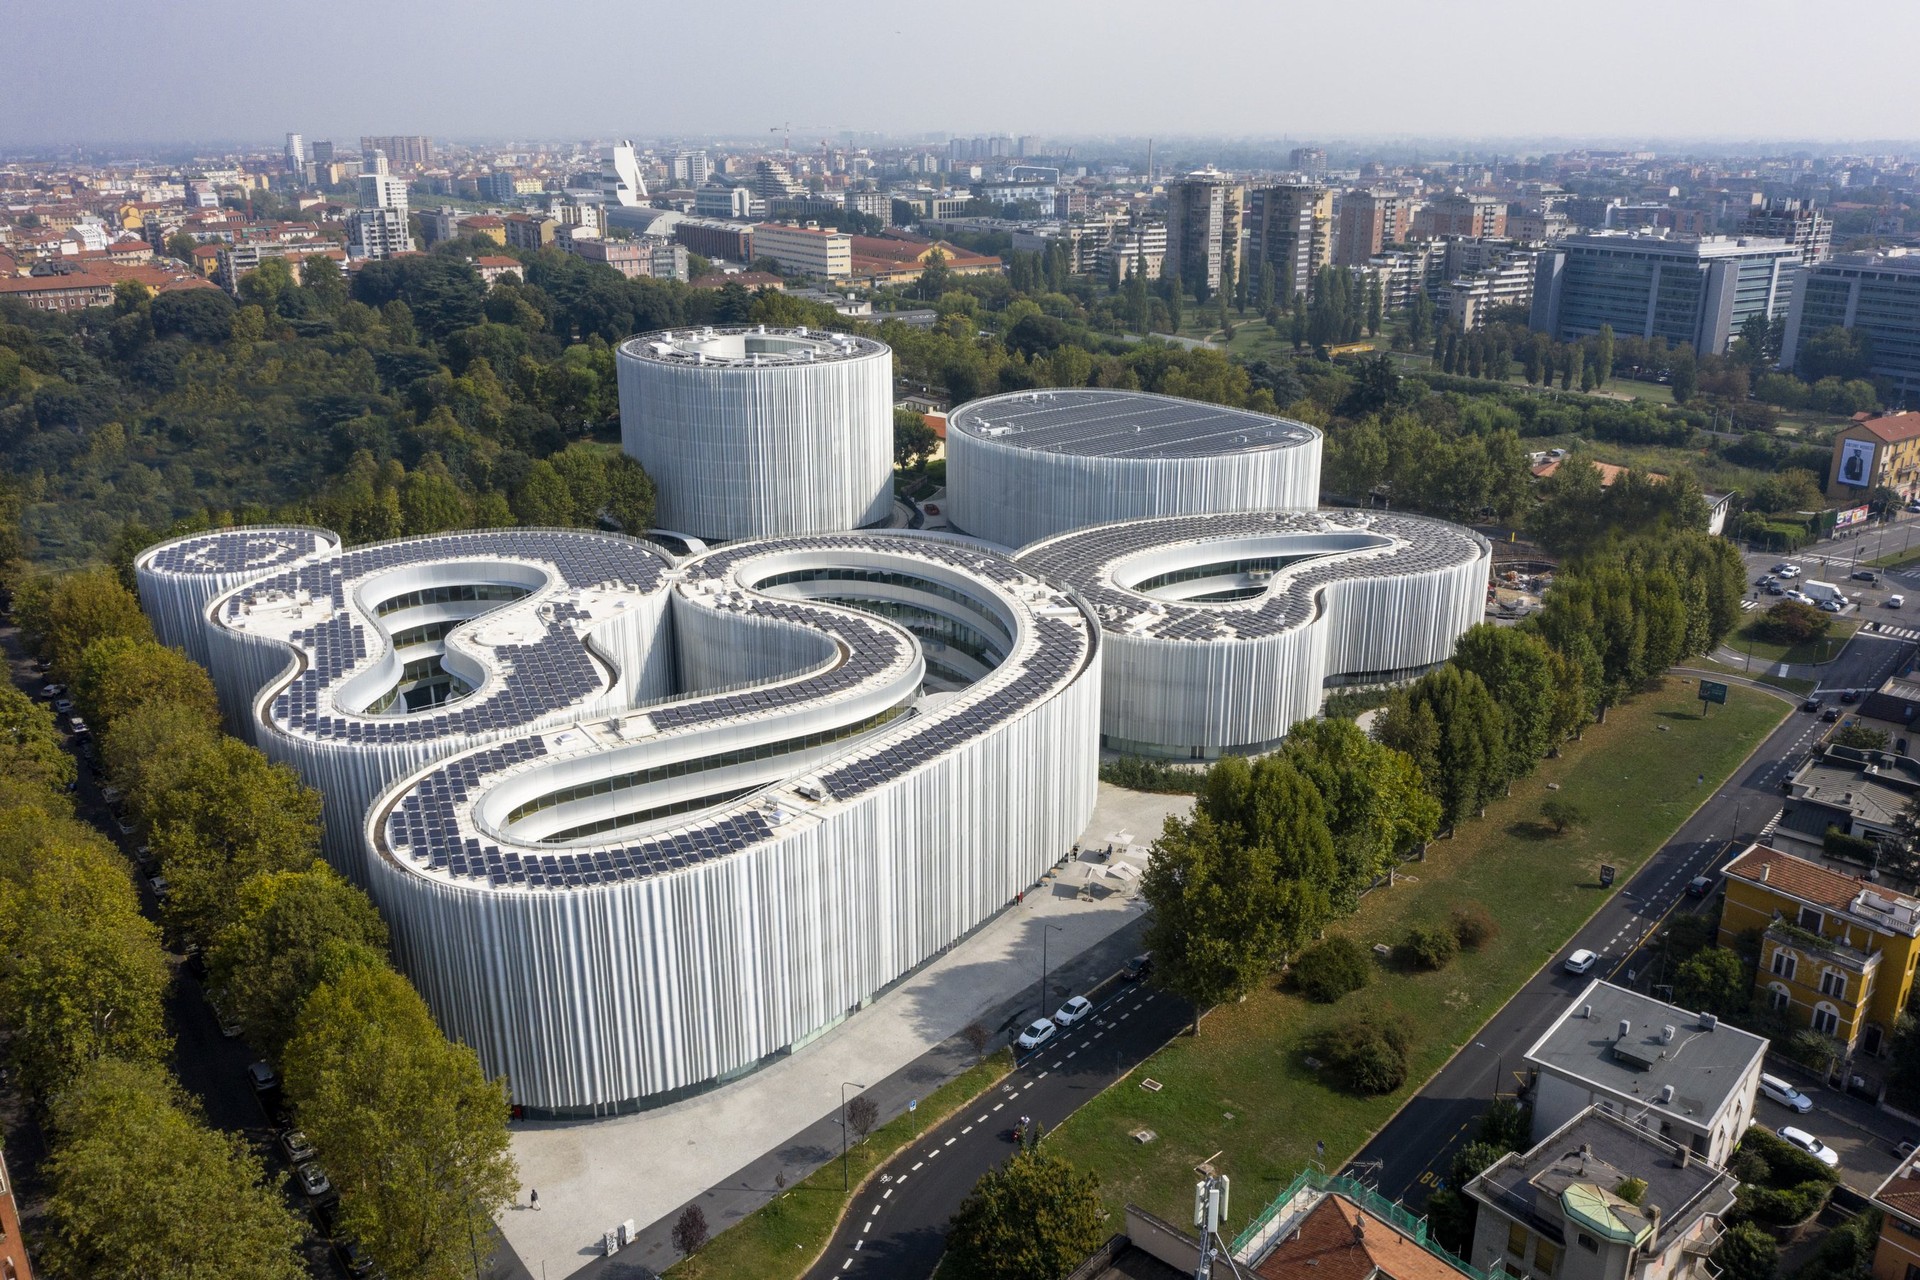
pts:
[1785, 1094]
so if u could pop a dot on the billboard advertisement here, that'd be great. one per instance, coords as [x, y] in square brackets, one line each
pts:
[1852, 515]
[1856, 462]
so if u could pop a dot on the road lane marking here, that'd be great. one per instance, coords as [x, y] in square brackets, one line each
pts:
[884, 1195]
[964, 1132]
[1042, 1076]
[866, 1226]
[949, 1142]
[998, 1105]
[917, 1167]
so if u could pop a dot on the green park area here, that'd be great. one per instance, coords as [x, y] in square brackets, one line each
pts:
[1243, 1087]
[785, 1235]
[1748, 640]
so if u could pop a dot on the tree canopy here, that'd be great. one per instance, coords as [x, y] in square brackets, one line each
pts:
[1036, 1217]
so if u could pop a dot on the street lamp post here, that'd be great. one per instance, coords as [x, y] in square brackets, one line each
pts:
[844, 1086]
[1052, 928]
[1499, 1065]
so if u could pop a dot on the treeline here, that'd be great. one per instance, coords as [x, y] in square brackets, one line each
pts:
[408, 1127]
[1277, 848]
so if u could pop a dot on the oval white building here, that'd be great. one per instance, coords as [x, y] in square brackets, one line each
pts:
[760, 432]
[177, 579]
[1031, 464]
[1224, 631]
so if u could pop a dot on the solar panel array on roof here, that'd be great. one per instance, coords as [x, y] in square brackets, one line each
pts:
[538, 677]
[1086, 560]
[426, 828]
[237, 551]
[1091, 422]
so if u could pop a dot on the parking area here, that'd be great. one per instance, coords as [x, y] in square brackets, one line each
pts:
[1865, 1138]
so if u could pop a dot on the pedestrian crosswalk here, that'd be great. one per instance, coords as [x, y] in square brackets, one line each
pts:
[1897, 633]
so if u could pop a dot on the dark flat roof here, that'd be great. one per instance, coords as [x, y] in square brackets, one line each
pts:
[1094, 423]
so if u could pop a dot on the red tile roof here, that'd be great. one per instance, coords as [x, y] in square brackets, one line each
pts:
[1799, 878]
[1895, 427]
[1327, 1247]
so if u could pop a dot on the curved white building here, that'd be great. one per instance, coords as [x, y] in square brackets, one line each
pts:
[1032, 464]
[758, 432]
[177, 579]
[358, 668]
[1224, 631]
[653, 826]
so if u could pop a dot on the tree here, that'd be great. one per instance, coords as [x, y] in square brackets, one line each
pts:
[64, 616]
[84, 976]
[1506, 1125]
[1429, 947]
[1330, 969]
[977, 1038]
[1377, 808]
[543, 499]
[1036, 1217]
[913, 440]
[1221, 911]
[1685, 376]
[1455, 733]
[1517, 669]
[1714, 980]
[630, 495]
[1603, 353]
[415, 1134]
[690, 1230]
[32, 750]
[1746, 1252]
[118, 673]
[862, 1115]
[1562, 814]
[287, 932]
[181, 245]
[142, 1188]
[1366, 1053]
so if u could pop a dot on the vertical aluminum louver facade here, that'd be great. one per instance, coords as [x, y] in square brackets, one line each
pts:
[758, 432]
[1222, 632]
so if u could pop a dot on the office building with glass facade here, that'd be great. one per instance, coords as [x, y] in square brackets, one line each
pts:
[1685, 290]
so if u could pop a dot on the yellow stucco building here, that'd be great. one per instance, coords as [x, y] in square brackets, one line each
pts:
[1837, 953]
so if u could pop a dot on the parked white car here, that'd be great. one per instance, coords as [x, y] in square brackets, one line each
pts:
[1581, 961]
[1819, 1150]
[1073, 1010]
[1785, 1094]
[1788, 571]
[1037, 1034]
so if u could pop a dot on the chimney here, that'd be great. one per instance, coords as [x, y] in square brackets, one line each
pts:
[1586, 1011]
[1653, 1219]
[1764, 868]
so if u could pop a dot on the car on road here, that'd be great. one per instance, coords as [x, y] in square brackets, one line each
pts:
[1831, 606]
[1581, 961]
[262, 1077]
[52, 690]
[296, 1146]
[1811, 704]
[1788, 571]
[1831, 714]
[144, 856]
[1763, 580]
[1799, 597]
[1849, 695]
[1699, 886]
[1819, 1150]
[160, 887]
[1895, 601]
[1864, 575]
[78, 727]
[1785, 1094]
[1072, 1011]
[1775, 589]
[352, 1259]
[1037, 1034]
[313, 1179]
[63, 705]
[1138, 967]
[125, 824]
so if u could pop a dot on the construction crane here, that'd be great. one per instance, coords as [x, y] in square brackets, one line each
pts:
[787, 130]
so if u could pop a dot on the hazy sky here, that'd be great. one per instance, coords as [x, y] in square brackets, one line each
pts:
[206, 70]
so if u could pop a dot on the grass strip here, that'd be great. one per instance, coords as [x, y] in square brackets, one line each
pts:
[784, 1236]
[1242, 1087]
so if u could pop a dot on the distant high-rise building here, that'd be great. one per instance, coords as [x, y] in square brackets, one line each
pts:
[378, 228]
[1369, 222]
[296, 153]
[379, 188]
[1309, 160]
[1798, 223]
[1139, 248]
[1461, 215]
[620, 180]
[716, 201]
[1290, 227]
[688, 168]
[1203, 228]
[1874, 294]
[772, 181]
[404, 151]
[322, 153]
[1693, 290]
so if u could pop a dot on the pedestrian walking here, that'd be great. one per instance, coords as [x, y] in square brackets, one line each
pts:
[533, 1199]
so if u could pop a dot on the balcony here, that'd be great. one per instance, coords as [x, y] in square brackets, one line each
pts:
[1808, 943]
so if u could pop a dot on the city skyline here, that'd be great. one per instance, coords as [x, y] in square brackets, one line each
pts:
[1641, 71]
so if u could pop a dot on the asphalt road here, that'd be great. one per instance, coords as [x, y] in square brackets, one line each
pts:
[895, 1228]
[1410, 1157]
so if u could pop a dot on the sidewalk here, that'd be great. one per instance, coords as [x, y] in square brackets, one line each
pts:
[726, 1148]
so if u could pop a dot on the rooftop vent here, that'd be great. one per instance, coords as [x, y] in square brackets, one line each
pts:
[1666, 1034]
[1708, 1022]
[1586, 1011]
[1626, 1027]
[1666, 1093]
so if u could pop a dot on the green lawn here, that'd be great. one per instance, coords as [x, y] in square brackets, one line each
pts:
[1766, 653]
[784, 1236]
[1792, 684]
[1241, 1086]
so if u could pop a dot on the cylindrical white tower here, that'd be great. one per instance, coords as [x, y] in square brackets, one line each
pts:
[178, 578]
[1032, 464]
[758, 432]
